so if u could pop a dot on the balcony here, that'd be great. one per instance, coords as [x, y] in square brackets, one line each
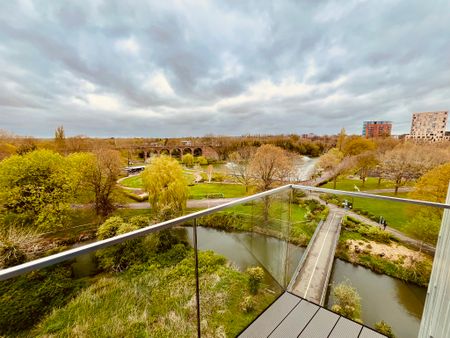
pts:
[261, 266]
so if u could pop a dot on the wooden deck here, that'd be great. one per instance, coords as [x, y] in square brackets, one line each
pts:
[291, 316]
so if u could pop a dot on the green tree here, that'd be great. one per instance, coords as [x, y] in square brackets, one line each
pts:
[187, 160]
[347, 301]
[167, 188]
[35, 188]
[202, 160]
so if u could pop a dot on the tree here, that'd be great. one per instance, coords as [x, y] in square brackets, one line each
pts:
[35, 188]
[240, 165]
[408, 162]
[341, 139]
[432, 186]
[357, 145]
[347, 301]
[60, 139]
[209, 172]
[101, 173]
[188, 160]
[364, 162]
[270, 164]
[336, 164]
[167, 188]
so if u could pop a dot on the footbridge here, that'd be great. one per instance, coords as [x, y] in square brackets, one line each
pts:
[313, 273]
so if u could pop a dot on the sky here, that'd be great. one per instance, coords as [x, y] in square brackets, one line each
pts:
[177, 68]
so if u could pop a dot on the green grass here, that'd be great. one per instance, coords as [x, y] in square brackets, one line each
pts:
[199, 191]
[133, 182]
[349, 184]
[154, 300]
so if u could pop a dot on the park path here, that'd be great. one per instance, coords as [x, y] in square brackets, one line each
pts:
[426, 247]
[191, 204]
[312, 278]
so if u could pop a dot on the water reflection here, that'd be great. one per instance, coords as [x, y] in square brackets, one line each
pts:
[383, 298]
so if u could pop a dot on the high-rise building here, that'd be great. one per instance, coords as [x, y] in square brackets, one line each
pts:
[429, 126]
[377, 129]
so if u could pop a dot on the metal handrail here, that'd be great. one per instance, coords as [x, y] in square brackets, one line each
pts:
[72, 253]
[373, 196]
[69, 254]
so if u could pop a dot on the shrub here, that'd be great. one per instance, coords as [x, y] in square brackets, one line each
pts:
[347, 301]
[384, 328]
[255, 278]
[25, 300]
[110, 227]
[248, 304]
[201, 160]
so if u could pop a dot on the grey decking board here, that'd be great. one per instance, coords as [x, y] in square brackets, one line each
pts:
[321, 325]
[266, 323]
[345, 329]
[368, 333]
[295, 322]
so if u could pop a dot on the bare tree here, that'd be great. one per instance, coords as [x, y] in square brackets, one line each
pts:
[240, 167]
[270, 164]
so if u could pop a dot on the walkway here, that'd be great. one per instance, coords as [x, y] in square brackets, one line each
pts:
[291, 316]
[312, 278]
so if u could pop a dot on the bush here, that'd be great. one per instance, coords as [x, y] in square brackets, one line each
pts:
[223, 220]
[255, 278]
[347, 301]
[248, 304]
[384, 328]
[110, 227]
[25, 300]
[201, 160]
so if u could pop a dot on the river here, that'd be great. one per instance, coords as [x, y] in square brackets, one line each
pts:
[304, 168]
[382, 297]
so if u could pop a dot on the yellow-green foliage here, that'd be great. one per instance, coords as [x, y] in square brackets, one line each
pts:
[255, 278]
[188, 160]
[167, 187]
[36, 188]
[347, 301]
[384, 328]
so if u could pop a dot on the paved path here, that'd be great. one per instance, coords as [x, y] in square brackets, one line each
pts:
[312, 279]
[191, 204]
[426, 247]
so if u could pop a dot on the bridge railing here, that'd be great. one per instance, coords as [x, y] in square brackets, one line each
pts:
[210, 272]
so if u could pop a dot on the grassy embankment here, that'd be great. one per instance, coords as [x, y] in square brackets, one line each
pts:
[376, 249]
[152, 299]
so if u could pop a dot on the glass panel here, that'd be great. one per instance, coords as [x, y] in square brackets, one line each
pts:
[383, 258]
[142, 287]
[242, 254]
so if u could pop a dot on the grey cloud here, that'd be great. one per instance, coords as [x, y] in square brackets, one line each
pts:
[391, 59]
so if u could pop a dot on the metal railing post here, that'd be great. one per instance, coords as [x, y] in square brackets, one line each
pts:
[436, 313]
[197, 282]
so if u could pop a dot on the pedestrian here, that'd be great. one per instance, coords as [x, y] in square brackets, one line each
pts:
[384, 224]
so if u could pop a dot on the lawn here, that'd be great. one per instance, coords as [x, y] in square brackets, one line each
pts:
[201, 190]
[133, 182]
[348, 184]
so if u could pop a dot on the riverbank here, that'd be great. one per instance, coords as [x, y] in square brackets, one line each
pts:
[156, 298]
[377, 250]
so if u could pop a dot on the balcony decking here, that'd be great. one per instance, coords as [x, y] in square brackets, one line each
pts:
[291, 316]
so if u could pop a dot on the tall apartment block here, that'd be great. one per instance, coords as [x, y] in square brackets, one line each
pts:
[429, 126]
[377, 129]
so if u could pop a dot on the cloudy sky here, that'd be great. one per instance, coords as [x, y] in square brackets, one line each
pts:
[177, 68]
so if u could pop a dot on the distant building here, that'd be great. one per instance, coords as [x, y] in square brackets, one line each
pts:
[373, 129]
[429, 126]
[186, 143]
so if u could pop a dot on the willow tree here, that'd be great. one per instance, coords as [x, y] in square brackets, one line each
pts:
[166, 186]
